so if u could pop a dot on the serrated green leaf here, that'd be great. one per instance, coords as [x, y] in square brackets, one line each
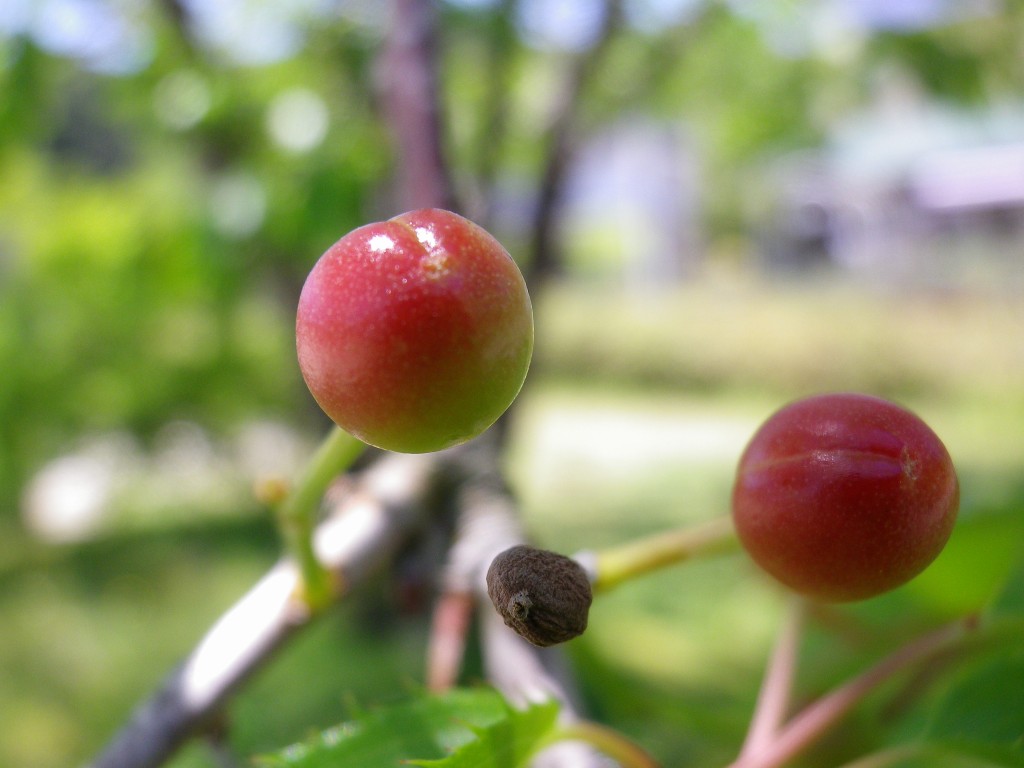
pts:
[424, 729]
[507, 743]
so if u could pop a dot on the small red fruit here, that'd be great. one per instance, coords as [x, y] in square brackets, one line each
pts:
[415, 334]
[844, 496]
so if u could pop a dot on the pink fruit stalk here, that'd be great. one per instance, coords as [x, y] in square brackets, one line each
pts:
[415, 334]
[844, 496]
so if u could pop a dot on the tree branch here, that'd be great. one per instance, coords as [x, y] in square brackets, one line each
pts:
[407, 82]
[494, 109]
[488, 523]
[369, 523]
[562, 135]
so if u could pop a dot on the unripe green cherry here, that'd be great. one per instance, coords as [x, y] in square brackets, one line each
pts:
[844, 496]
[415, 334]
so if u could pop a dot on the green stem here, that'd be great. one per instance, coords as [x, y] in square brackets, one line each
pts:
[618, 564]
[607, 741]
[297, 514]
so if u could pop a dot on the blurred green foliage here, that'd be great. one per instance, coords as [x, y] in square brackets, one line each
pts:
[149, 269]
[155, 226]
[154, 232]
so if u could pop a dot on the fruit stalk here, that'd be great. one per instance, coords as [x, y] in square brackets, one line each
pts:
[618, 564]
[608, 742]
[296, 515]
[819, 717]
[774, 697]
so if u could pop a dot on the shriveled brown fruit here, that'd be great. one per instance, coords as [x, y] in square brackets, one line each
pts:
[542, 595]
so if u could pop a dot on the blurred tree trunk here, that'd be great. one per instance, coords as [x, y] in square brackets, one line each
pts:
[407, 82]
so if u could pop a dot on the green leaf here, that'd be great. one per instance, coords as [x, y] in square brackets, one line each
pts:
[988, 547]
[506, 743]
[985, 704]
[941, 755]
[1010, 602]
[464, 727]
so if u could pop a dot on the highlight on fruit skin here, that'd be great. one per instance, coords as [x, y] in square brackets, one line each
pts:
[845, 496]
[415, 334]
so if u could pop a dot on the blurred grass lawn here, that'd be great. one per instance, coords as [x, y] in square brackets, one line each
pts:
[637, 410]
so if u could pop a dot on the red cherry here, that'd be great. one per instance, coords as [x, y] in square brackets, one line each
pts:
[844, 496]
[415, 334]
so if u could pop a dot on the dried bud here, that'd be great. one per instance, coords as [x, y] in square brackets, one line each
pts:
[543, 596]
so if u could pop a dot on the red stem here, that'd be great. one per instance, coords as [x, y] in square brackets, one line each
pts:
[447, 644]
[774, 696]
[814, 721]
